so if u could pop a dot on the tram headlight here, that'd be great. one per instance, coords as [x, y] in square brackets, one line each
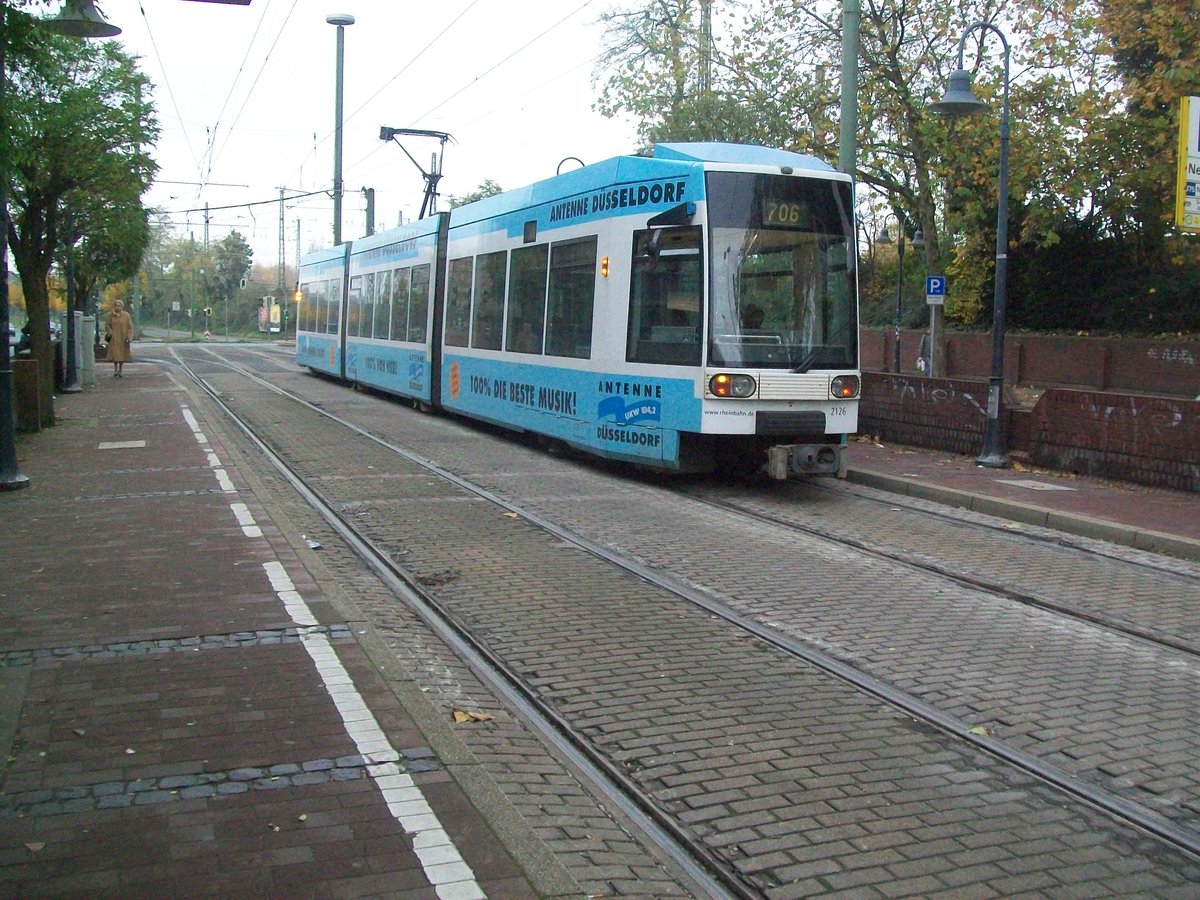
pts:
[844, 387]
[738, 387]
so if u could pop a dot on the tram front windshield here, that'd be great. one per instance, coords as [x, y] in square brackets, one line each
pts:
[783, 292]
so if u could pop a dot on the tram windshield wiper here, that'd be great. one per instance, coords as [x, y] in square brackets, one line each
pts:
[810, 357]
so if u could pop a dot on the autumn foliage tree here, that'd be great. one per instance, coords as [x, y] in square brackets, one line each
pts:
[1094, 85]
[78, 165]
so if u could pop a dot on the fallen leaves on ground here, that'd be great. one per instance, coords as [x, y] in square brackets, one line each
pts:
[461, 715]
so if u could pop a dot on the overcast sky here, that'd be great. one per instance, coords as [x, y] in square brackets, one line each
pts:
[245, 98]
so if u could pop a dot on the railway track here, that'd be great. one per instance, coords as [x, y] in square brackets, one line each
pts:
[799, 660]
[775, 511]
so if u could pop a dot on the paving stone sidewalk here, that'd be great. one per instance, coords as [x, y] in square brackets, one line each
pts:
[182, 711]
[1156, 519]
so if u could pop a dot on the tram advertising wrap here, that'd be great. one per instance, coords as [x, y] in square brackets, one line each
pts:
[389, 316]
[692, 311]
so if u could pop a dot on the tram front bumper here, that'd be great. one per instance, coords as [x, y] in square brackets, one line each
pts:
[802, 459]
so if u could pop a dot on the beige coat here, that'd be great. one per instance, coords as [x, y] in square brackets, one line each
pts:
[120, 327]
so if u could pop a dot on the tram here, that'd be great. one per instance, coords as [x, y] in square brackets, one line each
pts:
[691, 311]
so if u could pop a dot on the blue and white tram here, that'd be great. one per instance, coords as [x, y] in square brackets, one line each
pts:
[319, 317]
[689, 311]
[392, 278]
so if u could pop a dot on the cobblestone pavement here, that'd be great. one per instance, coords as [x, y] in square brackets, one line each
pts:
[185, 711]
[803, 784]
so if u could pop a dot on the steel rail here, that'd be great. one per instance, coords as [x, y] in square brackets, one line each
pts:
[1179, 838]
[1062, 539]
[1126, 629]
[710, 874]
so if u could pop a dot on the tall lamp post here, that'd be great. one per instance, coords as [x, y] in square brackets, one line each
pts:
[960, 100]
[885, 237]
[341, 20]
[11, 477]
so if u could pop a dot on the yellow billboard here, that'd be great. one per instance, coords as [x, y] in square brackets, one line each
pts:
[1187, 192]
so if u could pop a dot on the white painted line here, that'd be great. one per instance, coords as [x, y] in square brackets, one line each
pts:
[441, 861]
[214, 462]
[246, 520]
[120, 445]
[194, 425]
[1034, 485]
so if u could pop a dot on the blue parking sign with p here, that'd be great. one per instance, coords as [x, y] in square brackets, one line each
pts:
[935, 289]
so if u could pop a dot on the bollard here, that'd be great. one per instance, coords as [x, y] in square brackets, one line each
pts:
[84, 341]
[26, 396]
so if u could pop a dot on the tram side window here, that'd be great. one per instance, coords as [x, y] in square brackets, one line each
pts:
[354, 307]
[527, 299]
[418, 312]
[368, 306]
[458, 301]
[383, 304]
[303, 296]
[487, 314]
[333, 297]
[317, 311]
[664, 298]
[399, 304]
[571, 296]
[320, 309]
[327, 316]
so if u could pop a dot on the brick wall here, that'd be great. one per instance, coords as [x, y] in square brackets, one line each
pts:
[941, 413]
[1131, 437]
[1151, 440]
[1147, 366]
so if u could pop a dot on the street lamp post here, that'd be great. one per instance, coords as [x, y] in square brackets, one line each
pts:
[959, 100]
[885, 237]
[71, 356]
[341, 21]
[11, 477]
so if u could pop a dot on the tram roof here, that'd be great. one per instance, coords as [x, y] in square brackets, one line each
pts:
[738, 154]
[668, 160]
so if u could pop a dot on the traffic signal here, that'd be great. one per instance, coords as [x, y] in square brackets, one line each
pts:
[208, 311]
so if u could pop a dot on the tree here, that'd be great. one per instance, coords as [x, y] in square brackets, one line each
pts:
[1081, 161]
[659, 65]
[111, 239]
[1153, 45]
[487, 188]
[232, 259]
[78, 129]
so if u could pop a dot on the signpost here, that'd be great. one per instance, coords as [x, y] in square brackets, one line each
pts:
[1187, 193]
[935, 295]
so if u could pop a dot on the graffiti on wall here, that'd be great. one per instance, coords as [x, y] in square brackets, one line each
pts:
[931, 391]
[1181, 355]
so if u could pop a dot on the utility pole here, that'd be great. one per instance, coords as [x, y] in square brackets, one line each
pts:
[279, 275]
[848, 141]
[341, 21]
[296, 326]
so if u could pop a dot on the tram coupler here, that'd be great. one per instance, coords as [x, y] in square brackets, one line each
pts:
[802, 459]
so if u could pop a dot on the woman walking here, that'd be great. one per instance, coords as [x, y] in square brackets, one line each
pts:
[119, 330]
